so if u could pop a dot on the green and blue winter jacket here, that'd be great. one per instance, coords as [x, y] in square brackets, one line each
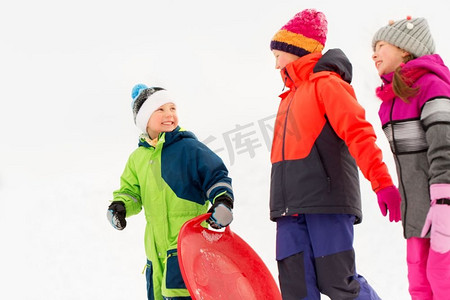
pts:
[173, 181]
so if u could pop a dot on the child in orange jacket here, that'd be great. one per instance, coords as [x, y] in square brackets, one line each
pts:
[320, 138]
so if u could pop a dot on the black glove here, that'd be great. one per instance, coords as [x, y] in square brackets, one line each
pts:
[116, 215]
[222, 212]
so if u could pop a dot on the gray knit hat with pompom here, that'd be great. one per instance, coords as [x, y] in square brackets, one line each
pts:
[411, 34]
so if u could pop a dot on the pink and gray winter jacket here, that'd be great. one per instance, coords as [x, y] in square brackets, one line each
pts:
[419, 137]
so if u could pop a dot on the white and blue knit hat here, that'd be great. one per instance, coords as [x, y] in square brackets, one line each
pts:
[411, 34]
[145, 101]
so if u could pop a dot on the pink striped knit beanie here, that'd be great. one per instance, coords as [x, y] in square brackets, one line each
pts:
[305, 33]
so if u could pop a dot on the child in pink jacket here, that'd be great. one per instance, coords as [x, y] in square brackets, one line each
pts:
[415, 114]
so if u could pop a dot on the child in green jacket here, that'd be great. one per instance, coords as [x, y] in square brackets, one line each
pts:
[173, 176]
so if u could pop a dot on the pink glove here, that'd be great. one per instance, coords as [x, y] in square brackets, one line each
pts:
[389, 199]
[438, 219]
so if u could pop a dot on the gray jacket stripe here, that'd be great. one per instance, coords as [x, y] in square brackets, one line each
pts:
[409, 137]
[129, 196]
[219, 184]
[436, 111]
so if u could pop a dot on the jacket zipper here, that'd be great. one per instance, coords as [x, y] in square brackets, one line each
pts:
[284, 144]
[398, 162]
[322, 164]
[287, 113]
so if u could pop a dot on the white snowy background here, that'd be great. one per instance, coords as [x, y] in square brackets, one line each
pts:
[66, 73]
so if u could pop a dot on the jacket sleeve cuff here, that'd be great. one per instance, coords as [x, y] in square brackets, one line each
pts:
[439, 191]
[381, 184]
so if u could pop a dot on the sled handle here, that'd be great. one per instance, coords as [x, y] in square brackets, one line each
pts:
[197, 221]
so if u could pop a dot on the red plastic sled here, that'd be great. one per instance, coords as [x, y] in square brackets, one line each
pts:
[221, 265]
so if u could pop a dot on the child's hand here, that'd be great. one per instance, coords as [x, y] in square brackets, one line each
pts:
[438, 223]
[389, 200]
[116, 215]
[222, 213]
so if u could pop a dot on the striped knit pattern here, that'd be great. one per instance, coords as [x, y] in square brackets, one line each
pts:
[305, 33]
[412, 35]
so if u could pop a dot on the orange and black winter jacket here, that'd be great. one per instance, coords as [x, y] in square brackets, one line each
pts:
[320, 137]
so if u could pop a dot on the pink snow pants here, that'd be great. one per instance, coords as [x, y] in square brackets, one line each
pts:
[428, 271]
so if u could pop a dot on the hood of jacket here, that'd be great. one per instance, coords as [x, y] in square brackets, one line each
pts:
[429, 74]
[432, 63]
[334, 60]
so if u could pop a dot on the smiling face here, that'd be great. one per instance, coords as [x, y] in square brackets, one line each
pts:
[164, 119]
[388, 57]
[283, 58]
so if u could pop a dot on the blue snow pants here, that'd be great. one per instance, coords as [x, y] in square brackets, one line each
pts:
[315, 255]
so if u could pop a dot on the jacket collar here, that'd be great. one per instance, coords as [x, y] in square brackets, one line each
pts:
[166, 138]
[300, 69]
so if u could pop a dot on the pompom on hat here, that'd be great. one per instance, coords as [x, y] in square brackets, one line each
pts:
[410, 34]
[305, 33]
[145, 101]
